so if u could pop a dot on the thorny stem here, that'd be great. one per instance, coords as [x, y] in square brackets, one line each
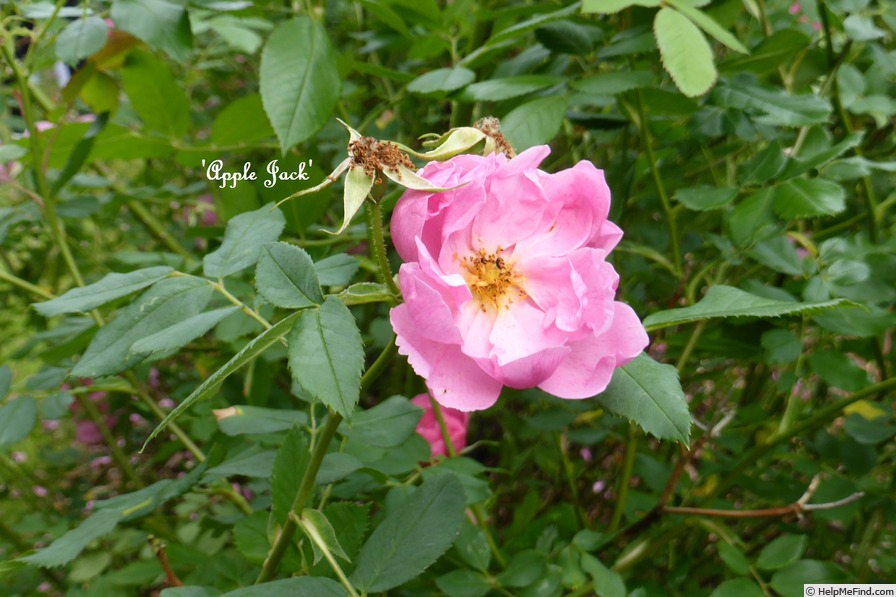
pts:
[870, 197]
[321, 443]
[158, 548]
[476, 509]
[179, 433]
[660, 187]
[311, 531]
[628, 467]
[219, 287]
[24, 284]
[378, 245]
[443, 428]
[284, 537]
[820, 417]
[154, 226]
[97, 418]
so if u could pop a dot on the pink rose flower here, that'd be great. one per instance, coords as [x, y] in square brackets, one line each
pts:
[505, 281]
[456, 421]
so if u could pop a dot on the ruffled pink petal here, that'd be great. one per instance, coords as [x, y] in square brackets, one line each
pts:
[589, 367]
[424, 308]
[475, 326]
[606, 237]
[527, 160]
[532, 370]
[516, 209]
[579, 201]
[557, 289]
[520, 331]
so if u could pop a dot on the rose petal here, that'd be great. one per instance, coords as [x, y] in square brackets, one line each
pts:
[589, 367]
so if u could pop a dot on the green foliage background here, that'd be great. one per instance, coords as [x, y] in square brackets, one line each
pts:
[749, 147]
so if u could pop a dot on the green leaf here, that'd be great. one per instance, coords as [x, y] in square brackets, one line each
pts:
[81, 38]
[472, 546]
[495, 90]
[242, 121]
[734, 558]
[326, 355]
[388, 424]
[210, 386]
[838, 370]
[108, 288]
[5, 380]
[257, 420]
[778, 108]
[178, 335]
[738, 587]
[244, 238]
[322, 535]
[285, 276]
[862, 28]
[704, 198]
[789, 581]
[463, 583]
[155, 95]
[17, 419]
[299, 80]
[161, 24]
[726, 301]
[779, 49]
[336, 270]
[565, 37]
[800, 164]
[292, 460]
[611, 6]
[686, 54]
[80, 153]
[188, 591]
[752, 219]
[524, 568]
[710, 26]
[781, 346]
[649, 394]
[535, 122]
[249, 463]
[808, 198]
[867, 432]
[442, 81]
[238, 33]
[857, 323]
[778, 254]
[146, 500]
[167, 303]
[607, 583]
[349, 521]
[530, 24]
[9, 153]
[614, 83]
[412, 537]
[250, 535]
[337, 466]
[781, 552]
[67, 547]
[764, 166]
[299, 585]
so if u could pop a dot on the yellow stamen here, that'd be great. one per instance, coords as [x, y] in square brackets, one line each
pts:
[492, 279]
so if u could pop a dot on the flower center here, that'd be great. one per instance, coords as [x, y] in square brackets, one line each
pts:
[491, 279]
